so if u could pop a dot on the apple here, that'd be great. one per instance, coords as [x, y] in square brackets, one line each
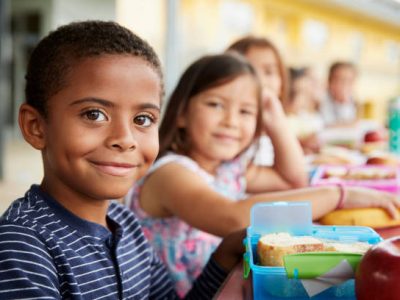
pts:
[375, 161]
[378, 274]
[382, 160]
[374, 136]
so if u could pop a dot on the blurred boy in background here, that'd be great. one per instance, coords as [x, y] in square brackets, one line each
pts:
[338, 106]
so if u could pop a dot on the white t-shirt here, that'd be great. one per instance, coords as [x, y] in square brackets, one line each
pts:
[333, 112]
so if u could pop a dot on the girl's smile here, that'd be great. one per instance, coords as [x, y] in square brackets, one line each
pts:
[226, 138]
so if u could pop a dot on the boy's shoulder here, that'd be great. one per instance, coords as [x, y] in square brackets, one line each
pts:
[21, 208]
[25, 213]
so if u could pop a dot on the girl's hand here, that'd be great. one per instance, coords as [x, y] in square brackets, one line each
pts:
[310, 144]
[273, 114]
[358, 197]
[230, 250]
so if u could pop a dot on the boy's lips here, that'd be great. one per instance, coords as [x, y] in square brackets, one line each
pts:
[114, 168]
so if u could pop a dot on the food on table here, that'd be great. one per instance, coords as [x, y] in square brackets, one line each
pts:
[373, 136]
[333, 155]
[357, 247]
[335, 172]
[370, 173]
[371, 217]
[271, 248]
[360, 174]
[377, 276]
[329, 159]
[374, 140]
[388, 160]
[368, 148]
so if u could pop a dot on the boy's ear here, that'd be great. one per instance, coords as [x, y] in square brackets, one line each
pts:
[32, 123]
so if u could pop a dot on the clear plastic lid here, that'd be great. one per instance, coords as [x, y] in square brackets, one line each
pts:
[271, 217]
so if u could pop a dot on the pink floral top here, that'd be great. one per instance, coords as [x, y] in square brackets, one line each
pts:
[185, 250]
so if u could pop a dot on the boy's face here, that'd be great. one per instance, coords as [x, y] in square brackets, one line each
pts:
[101, 133]
[341, 84]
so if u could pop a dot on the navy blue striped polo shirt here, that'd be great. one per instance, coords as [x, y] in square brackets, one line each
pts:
[46, 252]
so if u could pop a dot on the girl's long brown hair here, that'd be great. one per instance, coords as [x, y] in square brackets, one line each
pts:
[205, 73]
[244, 44]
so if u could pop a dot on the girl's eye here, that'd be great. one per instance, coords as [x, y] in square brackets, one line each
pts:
[268, 72]
[215, 104]
[95, 115]
[144, 120]
[247, 112]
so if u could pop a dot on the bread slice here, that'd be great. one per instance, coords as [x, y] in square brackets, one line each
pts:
[357, 247]
[271, 248]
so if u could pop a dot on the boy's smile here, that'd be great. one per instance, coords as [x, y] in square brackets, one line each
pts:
[101, 131]
[115, 168]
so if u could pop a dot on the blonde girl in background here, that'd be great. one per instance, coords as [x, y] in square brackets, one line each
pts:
[271, 70]
[203, 182]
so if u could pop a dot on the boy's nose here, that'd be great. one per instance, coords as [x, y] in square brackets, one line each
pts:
[122, 137]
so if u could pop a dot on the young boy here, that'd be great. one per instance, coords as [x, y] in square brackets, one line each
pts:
[338, 107]
[93, 93]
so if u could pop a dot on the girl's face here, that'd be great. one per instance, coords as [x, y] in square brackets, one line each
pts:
[266, 64]
[101, 132]
[221, 122]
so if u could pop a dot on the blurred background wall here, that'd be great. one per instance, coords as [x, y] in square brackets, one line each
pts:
[310, 33]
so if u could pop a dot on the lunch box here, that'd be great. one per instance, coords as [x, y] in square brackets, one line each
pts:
[295, 218]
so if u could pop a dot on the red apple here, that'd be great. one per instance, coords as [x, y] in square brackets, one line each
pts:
[382, 160]
[378, 273]
[374, 136]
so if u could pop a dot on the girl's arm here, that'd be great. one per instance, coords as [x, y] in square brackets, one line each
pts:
[173, 190]
[289, 168]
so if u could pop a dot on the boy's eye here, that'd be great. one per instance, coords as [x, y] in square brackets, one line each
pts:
[144, 120]
[95, 115]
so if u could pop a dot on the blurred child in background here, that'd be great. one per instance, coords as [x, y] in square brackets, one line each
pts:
[266, 60]
[338, 107]
[301, 110]
[203, 183]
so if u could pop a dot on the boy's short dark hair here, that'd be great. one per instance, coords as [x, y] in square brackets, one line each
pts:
[340, 64]
[55, 55]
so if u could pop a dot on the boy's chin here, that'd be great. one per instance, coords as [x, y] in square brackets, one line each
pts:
[112, 192]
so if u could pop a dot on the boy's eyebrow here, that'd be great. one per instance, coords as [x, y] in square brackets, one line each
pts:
[95, 100]
[110, 104]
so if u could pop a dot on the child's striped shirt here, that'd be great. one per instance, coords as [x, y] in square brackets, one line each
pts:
[46, 252]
